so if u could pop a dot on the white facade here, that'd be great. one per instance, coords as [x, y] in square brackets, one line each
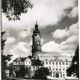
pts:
[22, 62]
[27, 62]
[57, 68]
[56, 64]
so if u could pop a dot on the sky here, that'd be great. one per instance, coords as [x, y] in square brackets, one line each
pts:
[58, 25]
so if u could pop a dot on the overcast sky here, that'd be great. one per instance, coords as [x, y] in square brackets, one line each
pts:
[58, 24]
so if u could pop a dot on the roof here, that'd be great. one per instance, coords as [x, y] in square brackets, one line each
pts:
[53, 56]
[23, 59]
[20, 59]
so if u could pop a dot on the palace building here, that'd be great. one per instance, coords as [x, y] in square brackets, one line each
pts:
[57, 65]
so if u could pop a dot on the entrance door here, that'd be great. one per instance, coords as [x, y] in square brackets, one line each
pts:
[57, 75]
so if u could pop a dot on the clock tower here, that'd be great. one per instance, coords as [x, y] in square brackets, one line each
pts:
[36, 43]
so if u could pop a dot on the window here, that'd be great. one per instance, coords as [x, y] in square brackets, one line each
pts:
[56, 63]
[66, 63]
[60, 69]
[60, 63]
[63, 75]
[49, 62]
[18, 63]
[60, 74]
[29, 62]
[53, 75]
[46, 62]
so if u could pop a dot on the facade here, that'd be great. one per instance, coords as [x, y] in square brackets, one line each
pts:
[22, 62]
[57, 68]
[26, 62]
[57, 65]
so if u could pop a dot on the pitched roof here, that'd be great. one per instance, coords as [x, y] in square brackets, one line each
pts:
[20, 59]
[53, 56]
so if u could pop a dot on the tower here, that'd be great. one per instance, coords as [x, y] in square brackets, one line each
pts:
[36, 43]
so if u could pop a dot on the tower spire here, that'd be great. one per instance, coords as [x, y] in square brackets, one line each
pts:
[36, 45]
[36, 28]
